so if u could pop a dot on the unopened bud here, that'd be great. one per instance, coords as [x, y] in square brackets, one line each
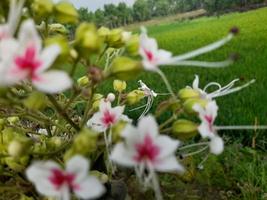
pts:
[42, 8]
[188, 93]
[19, 147]
[36, 101]
[103, 32]
[184, 129]
[13, 120]
[135, 97]
[66, 13]
[83, 81]
[119, 85]
[132, 46]
[96, 74]
[115, 39]
[189, 104]
[111, 97]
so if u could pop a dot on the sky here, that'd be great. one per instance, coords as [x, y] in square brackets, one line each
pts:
[95, 4]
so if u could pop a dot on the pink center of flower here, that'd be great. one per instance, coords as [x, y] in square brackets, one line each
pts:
[146, 150]
[29, 61]
[209, 119]
[108, 118]
[59, 178]
[149, 55]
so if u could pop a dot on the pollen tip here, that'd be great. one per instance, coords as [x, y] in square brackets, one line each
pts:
[234, 30]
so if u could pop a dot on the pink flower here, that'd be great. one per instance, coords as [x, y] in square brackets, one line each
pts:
[152, 56]
[25, 59]
[145, 148]
[52, 181]
[207, 128]
[106, 117]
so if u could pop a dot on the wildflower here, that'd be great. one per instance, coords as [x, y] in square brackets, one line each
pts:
[24, 59]
[207, 128]
[8, 30]
[52, 181]
[145, 148]
[106, 117]
[221, 91]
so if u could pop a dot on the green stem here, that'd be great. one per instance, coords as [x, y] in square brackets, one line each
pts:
[162, 75]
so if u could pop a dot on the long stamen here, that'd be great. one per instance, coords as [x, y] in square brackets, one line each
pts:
[245, 127]
[169, 88]
[155, 183]
[200, 165]
[204, 49]
[110, 165]
[193, 145]
[203, 63]
[195, 152]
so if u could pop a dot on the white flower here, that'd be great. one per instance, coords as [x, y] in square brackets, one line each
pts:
[207, 128]
[152, 56]
[52, 181]
[25, 59]
[221, 91]
[106, 116]
[145, 148]
[7, 30]
[207, 117]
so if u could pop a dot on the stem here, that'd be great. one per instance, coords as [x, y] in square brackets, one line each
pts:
[193, 145]
[110, 165]
[169, 88]
[74, 67]
[195, 152]
[156, 185]
[62, 112]
[247, 127]
[168, 121]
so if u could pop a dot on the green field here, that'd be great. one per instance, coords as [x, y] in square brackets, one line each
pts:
[228, 180]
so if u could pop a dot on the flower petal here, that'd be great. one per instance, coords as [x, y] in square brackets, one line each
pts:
[96, 124]
[204, 130]
[79, 166]
[195, 84]
[148, 125]
[167, 146]
[90, 188]
[48, 56]
[169, 164]
[52, 82]
[118, 112]
[216, 145]
[104, 105]
[123, 155]
[29, 35]
[164, 57]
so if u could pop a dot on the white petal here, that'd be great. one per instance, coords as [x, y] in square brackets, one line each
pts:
[39, 173]
[53, 81]
[79, 166]
[118, 112]
[196, 83]
[204, 130]
[169, 164]
[8, 48]
[167, 146]
[122, 155]
[96, 124]
[29, 35]
[104, 105]
[148, 125]
[164, 57]
[90, 188]
[212, 109]
[149, 66]
[48, 56]
[216, 145]
[65, 193]
[125, 118]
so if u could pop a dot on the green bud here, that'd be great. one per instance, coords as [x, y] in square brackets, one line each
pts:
[19, 147]
[188, 104]
[188, 93]
[24, 197]
[119, 85]
[42, 8]
[135, 97]
[36, 101]
[100, 176]
[132, 46]
[14, 164]
[13, 120]
[83, 81]
[57, 29]
[115, 38]
[184, 129]
[117, 130]
[87, 38]
[124, 68]
[65, 12]
[54, 142]
[104, 33]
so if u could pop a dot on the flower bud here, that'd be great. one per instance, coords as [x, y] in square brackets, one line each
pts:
[126, 36]
[83, 81]
[132, 46]
[119, 85]
[117, 130]
[87, 38]
[135, 97]
[36, 101]
[74, 54]
[96, 74]
[14, 164]
[111, 97]
[57, 29]
[115, 38]
[188, 93]
[100, 176]
[103, 32]
[124, 68]
[19, 147]
[66, 13]
[184, 129]
[97, 97]
[189, 104]
[42, 8]
[13, 120]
